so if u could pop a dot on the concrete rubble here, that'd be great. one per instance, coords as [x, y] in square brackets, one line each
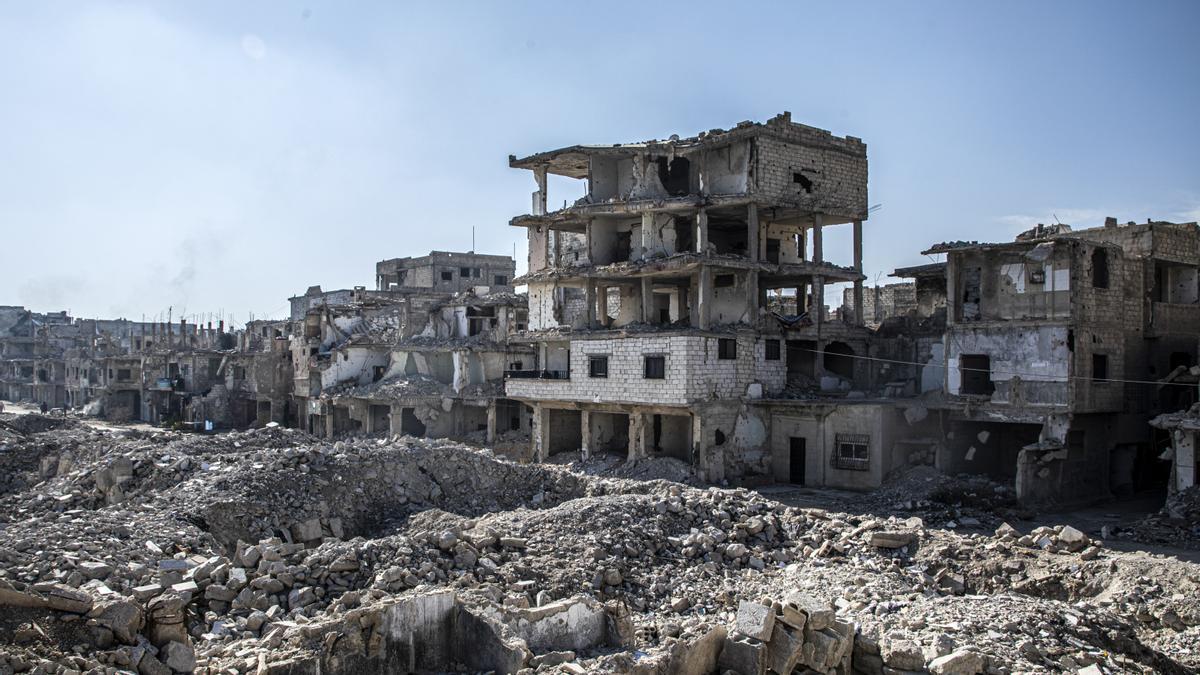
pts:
[272, 551]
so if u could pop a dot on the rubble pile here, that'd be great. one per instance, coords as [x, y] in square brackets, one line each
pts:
[1177, 523]
[964, 500]
[615, 465]
[273, 552]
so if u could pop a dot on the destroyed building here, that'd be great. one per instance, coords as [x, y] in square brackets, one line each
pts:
[445, 381]
[1055, 343]
[883, 302]
[649, 308]
[446, 272]
[423, 355]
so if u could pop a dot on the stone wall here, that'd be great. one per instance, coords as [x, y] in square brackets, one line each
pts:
[693, 371]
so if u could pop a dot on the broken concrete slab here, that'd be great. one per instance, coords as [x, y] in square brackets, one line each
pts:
[755, 620]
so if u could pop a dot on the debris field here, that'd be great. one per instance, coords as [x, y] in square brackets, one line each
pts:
[272, 551]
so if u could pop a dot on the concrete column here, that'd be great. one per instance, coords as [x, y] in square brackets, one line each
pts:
[818, 301]
[585, 434]
[546, 246]
[953, 294]
[591, 252]
[648, 301]
[590, 300]
[752, 300]
[818, 250]
[701, 231]
[802, 245]
[858, 285]
[752, 232]
[648, 234]
[705, 297]
[491, 421]
[801, 297]
[637, 436]
[602, 304]
[540, 433]
[539, 175]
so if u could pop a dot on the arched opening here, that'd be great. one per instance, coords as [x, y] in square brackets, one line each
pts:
[839, 360]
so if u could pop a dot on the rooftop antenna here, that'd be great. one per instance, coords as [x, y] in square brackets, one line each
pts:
[472, 239]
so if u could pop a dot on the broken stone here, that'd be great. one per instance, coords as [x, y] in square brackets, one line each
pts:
[743, 655]
[818, 615]
[95, 570]
[756, 620]
[961, 662]
[1072, 538]
[125, 619]
[901, 654]
[891, 539]
[179, 657]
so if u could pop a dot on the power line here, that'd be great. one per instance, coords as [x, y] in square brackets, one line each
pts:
[1042, 377]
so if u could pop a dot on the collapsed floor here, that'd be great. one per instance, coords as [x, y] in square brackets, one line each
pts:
[274, 552]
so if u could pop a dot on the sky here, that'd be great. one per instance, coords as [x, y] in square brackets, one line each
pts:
[216, 158]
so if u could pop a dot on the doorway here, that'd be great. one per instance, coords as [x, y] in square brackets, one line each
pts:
[797, 459]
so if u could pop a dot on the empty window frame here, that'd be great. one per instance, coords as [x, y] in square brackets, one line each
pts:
[852, 452]
[447, 276]
[726, 349]
[723, 281]
[772, 350]
[500, 280]
[1099, 268]
[976, 374]
[597, 366]
[1099, 367]
[464, 272]
[655, 367]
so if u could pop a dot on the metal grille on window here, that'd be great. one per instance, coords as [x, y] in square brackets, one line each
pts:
[852, 452]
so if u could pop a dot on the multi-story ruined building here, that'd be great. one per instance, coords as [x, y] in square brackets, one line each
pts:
[648, 306]
[31, 354]
[1054, 343]
[446, 272]
[437, 275]
[444, 381]
[424, 354]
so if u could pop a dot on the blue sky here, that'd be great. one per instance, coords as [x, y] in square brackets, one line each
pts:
[222, 156]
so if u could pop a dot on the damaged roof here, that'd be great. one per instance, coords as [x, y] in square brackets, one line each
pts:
[931, 270]
[573, 160]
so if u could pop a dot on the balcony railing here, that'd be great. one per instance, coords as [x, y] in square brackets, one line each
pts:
[537, 375]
